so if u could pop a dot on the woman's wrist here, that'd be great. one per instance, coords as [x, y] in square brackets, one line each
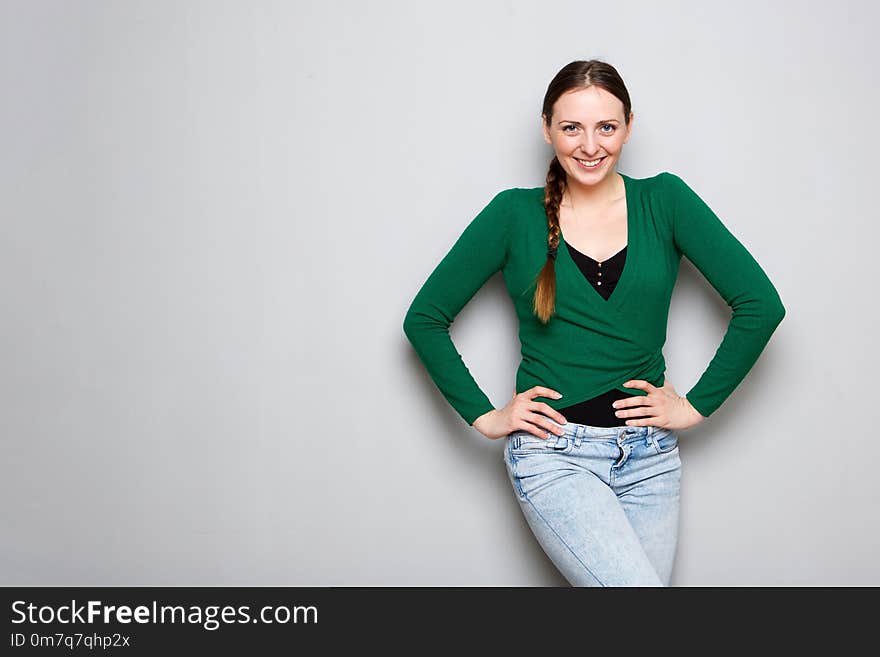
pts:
[698, 417]
[482, 419]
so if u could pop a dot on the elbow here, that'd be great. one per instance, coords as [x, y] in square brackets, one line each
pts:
[410, 324]
[426, 320]
[418, 321]
[772, 312]
[762, 312]
[770, 307]
[775, 309]
[780, 313]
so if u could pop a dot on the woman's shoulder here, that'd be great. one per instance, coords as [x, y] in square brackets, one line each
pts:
[523, 194]
[662, 189]
[665, 181]
[520, 201]
[659, 180]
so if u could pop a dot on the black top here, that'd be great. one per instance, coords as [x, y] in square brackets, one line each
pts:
[603, 276]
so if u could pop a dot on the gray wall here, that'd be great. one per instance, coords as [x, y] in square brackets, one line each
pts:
[215, 214]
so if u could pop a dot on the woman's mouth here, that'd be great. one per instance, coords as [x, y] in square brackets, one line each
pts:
[589, 165]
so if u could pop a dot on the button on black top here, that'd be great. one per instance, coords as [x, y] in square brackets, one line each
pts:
[603, 276]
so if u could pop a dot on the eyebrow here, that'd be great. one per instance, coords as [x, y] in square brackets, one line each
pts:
[597, 123]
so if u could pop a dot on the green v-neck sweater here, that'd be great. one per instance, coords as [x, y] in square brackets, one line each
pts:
[591, 345]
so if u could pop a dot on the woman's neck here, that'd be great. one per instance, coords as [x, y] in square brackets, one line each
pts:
[598, 196]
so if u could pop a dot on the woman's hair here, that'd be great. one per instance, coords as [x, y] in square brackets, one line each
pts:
[576, 75]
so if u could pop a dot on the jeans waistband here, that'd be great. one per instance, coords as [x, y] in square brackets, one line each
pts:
[623, 432]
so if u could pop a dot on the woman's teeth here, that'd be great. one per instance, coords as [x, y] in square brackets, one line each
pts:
[590, 164]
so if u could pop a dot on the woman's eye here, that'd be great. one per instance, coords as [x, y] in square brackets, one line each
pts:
[604, 125]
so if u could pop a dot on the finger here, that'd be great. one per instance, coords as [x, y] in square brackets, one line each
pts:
[637, 400]
[535, 431]
[541, 391]
[547, 410]
[639, 383]
[542, 421]
[523, 425]
[634, 414]
[656, 421]
[653, 421]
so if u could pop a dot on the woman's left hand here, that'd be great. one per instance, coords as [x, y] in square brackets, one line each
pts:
[663, 406]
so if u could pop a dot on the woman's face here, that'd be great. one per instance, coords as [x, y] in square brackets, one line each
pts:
[588, 124]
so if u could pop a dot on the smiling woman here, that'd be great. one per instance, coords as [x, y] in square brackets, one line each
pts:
[601, 496]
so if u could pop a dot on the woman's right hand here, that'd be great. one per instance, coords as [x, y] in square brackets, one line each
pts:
[522, 414]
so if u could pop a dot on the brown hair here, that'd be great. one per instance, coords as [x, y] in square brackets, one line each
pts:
[576, 75]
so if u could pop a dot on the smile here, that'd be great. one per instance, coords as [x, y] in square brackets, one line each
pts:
[590, 164]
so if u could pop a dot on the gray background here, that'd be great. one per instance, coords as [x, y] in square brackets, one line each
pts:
[215, 215]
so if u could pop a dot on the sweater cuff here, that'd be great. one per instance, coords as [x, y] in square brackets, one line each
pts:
[471, 416]
[705, 412]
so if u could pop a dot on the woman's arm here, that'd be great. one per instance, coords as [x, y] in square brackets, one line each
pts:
[728, 266]
[479, 252]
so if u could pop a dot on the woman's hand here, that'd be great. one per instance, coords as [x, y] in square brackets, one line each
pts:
[522, 414]
[663, 407]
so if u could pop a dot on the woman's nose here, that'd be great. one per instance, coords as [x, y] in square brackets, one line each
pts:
[588, 145]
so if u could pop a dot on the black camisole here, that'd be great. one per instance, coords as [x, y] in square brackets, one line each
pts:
[603, 276]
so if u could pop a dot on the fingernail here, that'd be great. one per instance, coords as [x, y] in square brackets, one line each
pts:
[558, 395]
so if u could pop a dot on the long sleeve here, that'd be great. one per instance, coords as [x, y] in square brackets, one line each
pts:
[728, 266]
[479, 252]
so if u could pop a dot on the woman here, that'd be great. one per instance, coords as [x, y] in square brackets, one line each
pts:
[590, 261]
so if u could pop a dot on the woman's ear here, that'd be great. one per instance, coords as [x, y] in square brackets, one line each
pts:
[629, 127]
[545, 130]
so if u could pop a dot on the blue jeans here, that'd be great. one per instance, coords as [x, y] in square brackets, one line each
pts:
[603, 502]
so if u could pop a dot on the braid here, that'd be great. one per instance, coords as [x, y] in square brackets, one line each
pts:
[553, 191]
[545, 293]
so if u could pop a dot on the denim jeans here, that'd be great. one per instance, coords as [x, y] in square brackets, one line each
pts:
[603, 502]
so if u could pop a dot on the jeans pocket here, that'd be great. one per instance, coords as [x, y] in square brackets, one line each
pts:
[523, 443]
[665, 440]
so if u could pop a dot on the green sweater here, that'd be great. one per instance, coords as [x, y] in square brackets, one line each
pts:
[591, 345]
